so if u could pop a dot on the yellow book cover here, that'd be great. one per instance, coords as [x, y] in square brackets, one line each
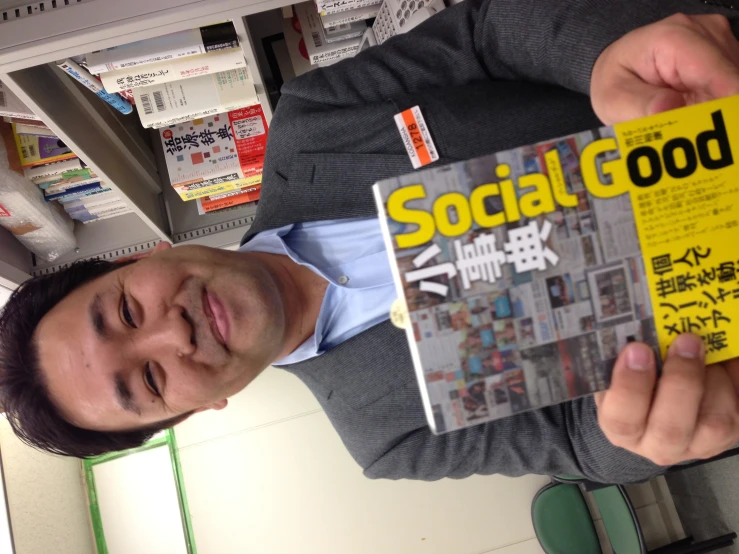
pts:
[34, 150]
[525, 272]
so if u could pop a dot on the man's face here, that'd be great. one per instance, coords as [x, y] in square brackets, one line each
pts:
[179, 331]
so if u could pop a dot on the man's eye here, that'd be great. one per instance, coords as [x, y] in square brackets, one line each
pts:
[126, 312]
[149, 376]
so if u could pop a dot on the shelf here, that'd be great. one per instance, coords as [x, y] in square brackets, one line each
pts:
[106, 239]
[96, 24]
[88, 128]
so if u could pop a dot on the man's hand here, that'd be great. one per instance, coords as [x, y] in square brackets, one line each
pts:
[675, 62]
[690, 412]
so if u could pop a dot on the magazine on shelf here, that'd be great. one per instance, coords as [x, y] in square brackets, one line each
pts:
[525, 272]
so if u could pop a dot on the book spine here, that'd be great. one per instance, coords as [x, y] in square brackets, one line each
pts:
[82, 76]
[175, 45]
[62, 187]
[174, 70]
[221, 201]
[351, 16]
[38, 173]
[100, 197]
[319, 51]
[109, 216]
[331, 7]
[76, 192]
[354, 34]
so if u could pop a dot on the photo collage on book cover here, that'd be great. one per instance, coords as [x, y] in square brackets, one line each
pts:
[535, 338]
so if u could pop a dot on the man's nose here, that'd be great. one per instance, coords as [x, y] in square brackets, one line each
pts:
[172, 334]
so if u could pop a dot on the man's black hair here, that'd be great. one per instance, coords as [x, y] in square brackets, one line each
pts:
[23, 391]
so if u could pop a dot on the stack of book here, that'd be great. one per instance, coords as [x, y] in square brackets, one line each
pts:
[324, 40]
[62, 176]
[178, 77]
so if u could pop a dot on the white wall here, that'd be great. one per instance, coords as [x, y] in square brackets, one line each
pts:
[48, 504]
[269, 475]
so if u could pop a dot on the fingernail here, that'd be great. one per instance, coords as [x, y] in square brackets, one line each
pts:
[638, 357]
[687, 346]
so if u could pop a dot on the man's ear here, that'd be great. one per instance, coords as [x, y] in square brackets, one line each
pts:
[161, 247]
[214, 406]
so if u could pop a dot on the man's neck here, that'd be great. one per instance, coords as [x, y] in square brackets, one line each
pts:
[302, 293]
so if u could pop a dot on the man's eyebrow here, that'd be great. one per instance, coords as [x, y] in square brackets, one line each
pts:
[124, 396]
[97, 319]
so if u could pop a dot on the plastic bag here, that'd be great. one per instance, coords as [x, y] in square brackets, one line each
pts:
[40, 226]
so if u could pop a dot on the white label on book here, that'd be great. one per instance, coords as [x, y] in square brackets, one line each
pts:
[416, 137]
[248, 127]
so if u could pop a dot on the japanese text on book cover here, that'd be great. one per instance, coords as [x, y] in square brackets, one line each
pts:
[525, 272]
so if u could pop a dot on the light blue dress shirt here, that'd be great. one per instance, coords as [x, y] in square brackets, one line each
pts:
[350, 254]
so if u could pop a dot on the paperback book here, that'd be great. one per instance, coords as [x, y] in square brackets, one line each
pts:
[216, 154]
[524, 273]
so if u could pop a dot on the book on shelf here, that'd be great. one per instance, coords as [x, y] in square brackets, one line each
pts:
[176, 45]
[39, 173]
[119, 213]
[12, 106]
[33, 130]
[328, 7]
[216, 154]
[34, 150]
[524, 273]
[83, 213]
[170, 103]
[67, 180]
[173, 70]
[345, 31]
[217, 202]
[319, 49]
[104, 197]
[296, 46]
[350, 16]
[77, 192]
[93, 84]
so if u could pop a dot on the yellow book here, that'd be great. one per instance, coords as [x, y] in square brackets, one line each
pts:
[35, 150]
[524, 273]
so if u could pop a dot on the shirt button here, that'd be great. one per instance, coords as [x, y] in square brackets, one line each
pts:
[343, 280]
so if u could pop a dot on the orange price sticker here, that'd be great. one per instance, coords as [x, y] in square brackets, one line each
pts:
[416, 137]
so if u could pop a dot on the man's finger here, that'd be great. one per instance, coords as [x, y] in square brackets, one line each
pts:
[674, 414]
[623, 409]
[718, 418]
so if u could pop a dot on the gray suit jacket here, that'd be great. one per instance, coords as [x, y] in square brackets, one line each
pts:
[488, 75]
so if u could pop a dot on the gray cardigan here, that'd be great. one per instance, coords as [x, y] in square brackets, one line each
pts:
[488, 75]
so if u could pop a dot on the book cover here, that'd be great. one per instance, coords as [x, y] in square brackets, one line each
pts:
[344, 31]
[34, 150]
[105, 197]
[93, 84]
[176, 45]
[328, 7]
[216, 154]
[12, 106]
[217, 202]
[526, 272]
[173, 70]
[319, 49]
[176, 102]
[350, 16]
[296, 46]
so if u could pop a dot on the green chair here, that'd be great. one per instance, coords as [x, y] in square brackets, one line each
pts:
[564, 525]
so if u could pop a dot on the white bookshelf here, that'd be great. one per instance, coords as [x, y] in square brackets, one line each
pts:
[115, 146]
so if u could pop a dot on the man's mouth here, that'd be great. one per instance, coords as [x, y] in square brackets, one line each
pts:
[217, 317]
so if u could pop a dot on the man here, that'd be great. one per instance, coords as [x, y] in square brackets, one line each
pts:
[100, 356]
